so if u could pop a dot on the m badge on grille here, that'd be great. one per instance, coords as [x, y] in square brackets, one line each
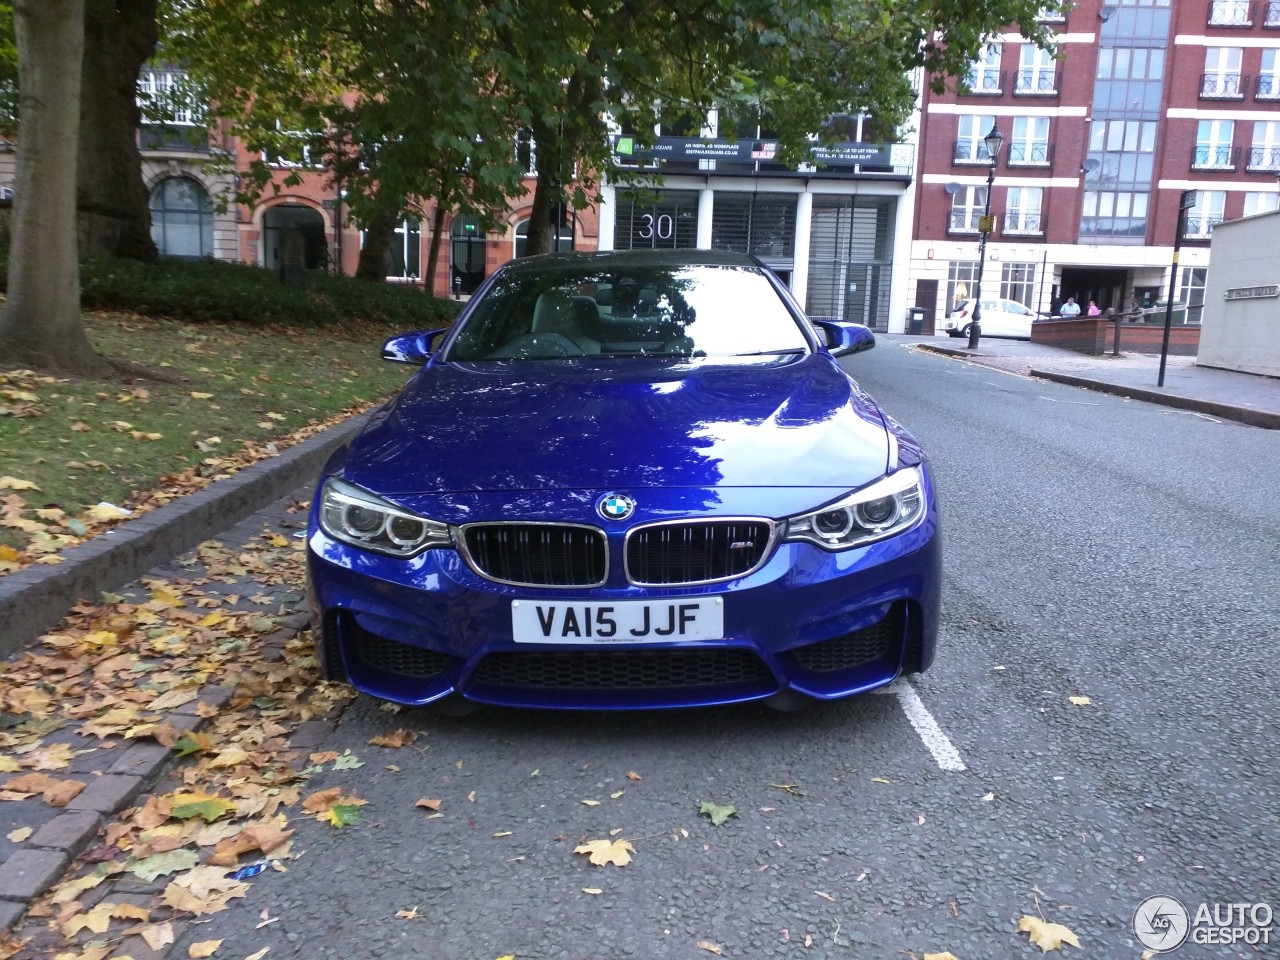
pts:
[616, 506]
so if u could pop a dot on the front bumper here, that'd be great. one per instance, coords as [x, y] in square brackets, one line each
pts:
[823, 625]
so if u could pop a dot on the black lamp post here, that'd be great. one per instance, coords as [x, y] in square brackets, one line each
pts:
[994, 141]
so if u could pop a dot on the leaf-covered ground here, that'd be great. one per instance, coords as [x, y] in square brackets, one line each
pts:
[201, 402]
[118, 674]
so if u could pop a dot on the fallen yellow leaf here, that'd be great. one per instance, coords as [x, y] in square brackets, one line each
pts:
[1047, 936]
[205, 948]
[20, 834]
[601, 852]
[1080, 701]
[710, 947]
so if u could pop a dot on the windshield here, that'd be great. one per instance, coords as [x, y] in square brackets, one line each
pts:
[630, 311]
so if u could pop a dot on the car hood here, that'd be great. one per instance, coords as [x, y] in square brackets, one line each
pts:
[793, 421]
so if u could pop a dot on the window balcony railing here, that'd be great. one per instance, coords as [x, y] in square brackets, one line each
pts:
[1271, 18]
[1024, 223]
[1223, 86]
[1029, 154]
[1036, 83]
[963, 221]
[987, 83]
[1215, 157]
[1230, 13]
[970, 151]
[1199, 228]
[1264, 158]
[174, 138]
[1268, 87]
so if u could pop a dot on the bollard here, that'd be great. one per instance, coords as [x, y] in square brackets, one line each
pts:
[1115, 319]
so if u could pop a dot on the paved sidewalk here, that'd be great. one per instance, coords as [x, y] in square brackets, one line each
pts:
[1242, 397]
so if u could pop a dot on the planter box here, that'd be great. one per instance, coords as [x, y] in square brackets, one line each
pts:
[1096, 335]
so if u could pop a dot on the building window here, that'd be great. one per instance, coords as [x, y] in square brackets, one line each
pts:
[1029, 145]
[1269, 75]
[1230, 13]
[165, 96]
[1265, 152]
[1017, 282]
[1255, 202]
[1037, 71]
[526, 153]
[406, 250]
[1022, 212]
[1192, 291]
[970, 130]
[181, 218]
[561, 230]
[1272, 17]
[1124, 150]
[295, 148]
[967, 206]
[1213, 145]
[984, 73]
[1114, 213]
[961, 276]
[1221, 79]
[1207, 212]
[1054, 15]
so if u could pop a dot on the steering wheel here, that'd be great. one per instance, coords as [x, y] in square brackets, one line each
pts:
[532, 346]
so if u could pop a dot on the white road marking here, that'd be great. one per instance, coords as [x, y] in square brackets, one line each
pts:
[1083, 403]
[935, 741]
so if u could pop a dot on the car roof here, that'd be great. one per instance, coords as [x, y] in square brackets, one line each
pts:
[606, 259]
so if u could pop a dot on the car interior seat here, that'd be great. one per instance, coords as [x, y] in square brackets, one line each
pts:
[557, 312]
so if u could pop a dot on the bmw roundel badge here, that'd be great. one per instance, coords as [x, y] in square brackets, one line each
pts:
[616, 506]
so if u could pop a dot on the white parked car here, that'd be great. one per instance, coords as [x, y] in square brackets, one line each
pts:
[1000, 318]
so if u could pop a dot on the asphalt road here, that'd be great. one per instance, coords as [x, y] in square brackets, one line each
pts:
[1096, 548]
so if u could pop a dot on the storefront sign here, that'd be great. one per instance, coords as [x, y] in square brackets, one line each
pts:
[844, 154]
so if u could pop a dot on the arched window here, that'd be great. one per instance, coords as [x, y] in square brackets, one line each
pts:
[561, 224]
[182, 218]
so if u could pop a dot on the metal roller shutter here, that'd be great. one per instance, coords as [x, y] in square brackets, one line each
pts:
[850, 259]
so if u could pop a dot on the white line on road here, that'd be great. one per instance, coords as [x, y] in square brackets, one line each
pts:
[935, 741]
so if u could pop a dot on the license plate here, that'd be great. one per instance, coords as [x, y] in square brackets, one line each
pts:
[621, 621]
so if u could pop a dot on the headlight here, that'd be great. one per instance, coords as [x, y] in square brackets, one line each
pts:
[887, 507]
[360, 518]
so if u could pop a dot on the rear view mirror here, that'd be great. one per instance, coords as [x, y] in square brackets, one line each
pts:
[843, 338]
[410, 347]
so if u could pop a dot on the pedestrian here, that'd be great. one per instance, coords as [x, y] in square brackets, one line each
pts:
[1093, 310]
[1070, 309]
[1134, 312]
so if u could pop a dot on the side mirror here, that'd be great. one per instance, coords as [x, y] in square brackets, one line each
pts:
[844, 338]
[412, 348]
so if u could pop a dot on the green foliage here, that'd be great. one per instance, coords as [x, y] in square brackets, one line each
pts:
[208, 291]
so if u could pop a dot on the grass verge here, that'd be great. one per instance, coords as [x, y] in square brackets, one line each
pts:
[76, 454]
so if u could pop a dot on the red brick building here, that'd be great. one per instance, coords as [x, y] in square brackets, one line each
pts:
[1147, 99]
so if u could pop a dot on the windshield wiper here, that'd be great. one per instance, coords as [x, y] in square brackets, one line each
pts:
[792, 351]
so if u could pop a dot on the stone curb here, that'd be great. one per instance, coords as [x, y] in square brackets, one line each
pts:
[1254, 418]
[34, 599]
[1248, 415]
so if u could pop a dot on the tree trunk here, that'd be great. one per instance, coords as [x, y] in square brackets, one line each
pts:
[120, 36]
[433, 248]
[40, 325]
[375, 254]
[541, 237]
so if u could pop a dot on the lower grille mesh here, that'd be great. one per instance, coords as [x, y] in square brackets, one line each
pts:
[622, 670]
[379, 653]
[852, 649]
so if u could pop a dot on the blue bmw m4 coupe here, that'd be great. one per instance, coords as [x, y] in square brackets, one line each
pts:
[627, 480]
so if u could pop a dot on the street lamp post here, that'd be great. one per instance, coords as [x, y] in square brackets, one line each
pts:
[994, 141]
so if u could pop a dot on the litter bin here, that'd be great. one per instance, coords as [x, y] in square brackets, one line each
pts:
[915, 320]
